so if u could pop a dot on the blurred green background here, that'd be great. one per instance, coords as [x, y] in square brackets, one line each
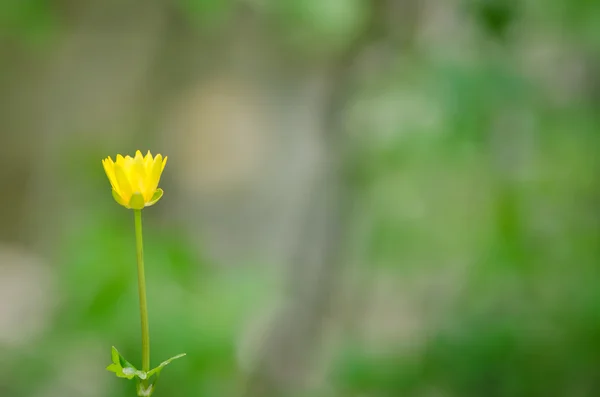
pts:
[364, 198]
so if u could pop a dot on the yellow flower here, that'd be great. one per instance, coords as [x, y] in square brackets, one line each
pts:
[135, 180]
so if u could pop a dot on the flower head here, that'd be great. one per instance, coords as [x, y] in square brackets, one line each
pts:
[135, 180]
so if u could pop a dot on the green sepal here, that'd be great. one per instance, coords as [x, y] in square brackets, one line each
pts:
[136, 201]
[155, 197]
[118, 199]
[123, 368]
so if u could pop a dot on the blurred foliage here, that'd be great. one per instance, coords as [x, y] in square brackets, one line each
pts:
[319, 27]
[494, 16]
[208, 12]
[33, 21]
[579, 19]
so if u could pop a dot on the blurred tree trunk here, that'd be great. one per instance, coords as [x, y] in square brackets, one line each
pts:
[315, 272]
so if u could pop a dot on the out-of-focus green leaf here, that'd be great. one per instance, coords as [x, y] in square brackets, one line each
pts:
[156, 371]
[123, 368]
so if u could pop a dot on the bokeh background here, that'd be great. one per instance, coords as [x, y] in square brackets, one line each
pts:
[364, 198]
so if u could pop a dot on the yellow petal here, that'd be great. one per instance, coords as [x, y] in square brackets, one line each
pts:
[127, 161]
[148, 160]
[153, 177]
[163, 164]
[137, 176]
[124, 188]
[110, 173]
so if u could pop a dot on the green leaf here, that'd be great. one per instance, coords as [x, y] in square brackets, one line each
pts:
[123, 368]
[164, 364]
[145, 389]
[146, 380]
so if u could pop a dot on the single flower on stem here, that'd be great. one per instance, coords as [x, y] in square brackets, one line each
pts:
[134, 182]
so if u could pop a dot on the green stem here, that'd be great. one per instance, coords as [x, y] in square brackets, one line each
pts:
[142, 292]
